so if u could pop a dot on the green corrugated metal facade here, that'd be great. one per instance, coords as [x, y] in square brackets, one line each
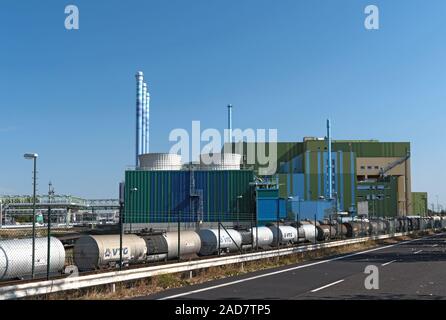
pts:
[164, 196]
[382, 197]
[420, 203]
[302, 167]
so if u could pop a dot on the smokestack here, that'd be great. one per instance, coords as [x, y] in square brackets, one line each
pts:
[143, 118]
[139, 106]
[147, 121]
[230, 123]
[330, 167]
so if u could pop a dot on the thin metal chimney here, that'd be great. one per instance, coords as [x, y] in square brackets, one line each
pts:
[143, 120]
[139, 106]
[147, 120]
[230, 123]
[330, 166]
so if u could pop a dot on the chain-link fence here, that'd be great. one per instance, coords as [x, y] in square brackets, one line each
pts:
[46, 250]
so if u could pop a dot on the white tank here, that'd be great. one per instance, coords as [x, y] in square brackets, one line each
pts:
[93, 252]
[16, 257]
[287, 234]
[160, 161]
[228, 241]
[190, 243]
[265, 236]
[220, 161]
[309, 232]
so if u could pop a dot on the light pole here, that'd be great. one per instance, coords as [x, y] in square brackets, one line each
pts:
[33, 156]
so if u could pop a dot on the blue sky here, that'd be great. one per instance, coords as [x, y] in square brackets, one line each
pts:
[287, 64]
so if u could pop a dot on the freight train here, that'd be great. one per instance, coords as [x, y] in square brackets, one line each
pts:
[94, 252]
[102, 251]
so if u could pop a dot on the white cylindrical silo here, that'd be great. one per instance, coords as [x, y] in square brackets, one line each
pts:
[160, 161]
[220, 161]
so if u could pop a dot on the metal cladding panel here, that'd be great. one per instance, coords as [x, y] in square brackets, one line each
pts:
[267, 209]
[165, 196]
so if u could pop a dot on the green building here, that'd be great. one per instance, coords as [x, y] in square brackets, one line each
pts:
[363, 171]
[420, 203]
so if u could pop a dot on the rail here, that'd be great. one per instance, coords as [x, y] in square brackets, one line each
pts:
[73, 283]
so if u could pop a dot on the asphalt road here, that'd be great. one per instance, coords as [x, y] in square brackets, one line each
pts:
[414, 269]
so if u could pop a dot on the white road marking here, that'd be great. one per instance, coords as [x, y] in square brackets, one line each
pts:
[435, 245]
[387, 263]
[287, 270]
[328, 285]
[417, 251]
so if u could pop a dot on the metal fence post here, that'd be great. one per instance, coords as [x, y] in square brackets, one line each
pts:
[121, 231]
[219, 222]
[34, 221]
[121, 218]
[315, 230]
[48, 258]
[179, 235]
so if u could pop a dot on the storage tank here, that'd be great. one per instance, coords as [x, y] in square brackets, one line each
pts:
[247, 237]
[325, 232]
[265, 236]
[220, 161]
[286, 234]
[230, 240]
[190, 243]
[309, 232]
[96, 251]
[443, 222]
[160, 161]
[157, 248]
[373, 227]
[16, 257]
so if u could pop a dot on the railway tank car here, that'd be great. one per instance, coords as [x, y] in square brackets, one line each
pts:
[283, 235]
[325, 232]
[165, 246]
[16, 262]
[97, 251]
[230, 241]
[263, 237]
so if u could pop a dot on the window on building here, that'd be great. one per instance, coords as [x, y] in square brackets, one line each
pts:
[362, 167]
[369, 167]
[376, 167]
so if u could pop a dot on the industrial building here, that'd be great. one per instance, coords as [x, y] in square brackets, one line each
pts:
[163, 192]
[65, 210]
[313, 179]
[373, 174]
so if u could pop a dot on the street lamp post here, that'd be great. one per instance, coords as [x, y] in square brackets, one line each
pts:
[33, 156]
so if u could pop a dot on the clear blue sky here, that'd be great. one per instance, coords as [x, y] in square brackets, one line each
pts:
[287, 64]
